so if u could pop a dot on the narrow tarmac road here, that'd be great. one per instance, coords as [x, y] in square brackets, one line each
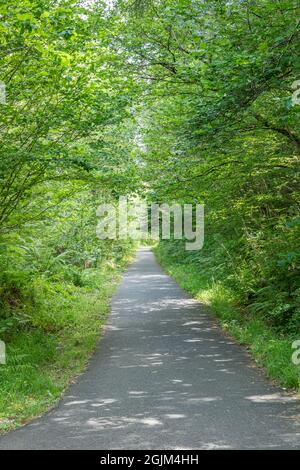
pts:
[165, 377]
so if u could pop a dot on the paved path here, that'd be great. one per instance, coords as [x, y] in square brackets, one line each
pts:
[164, 377]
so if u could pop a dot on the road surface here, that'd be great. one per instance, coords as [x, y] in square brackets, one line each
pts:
[165, 377]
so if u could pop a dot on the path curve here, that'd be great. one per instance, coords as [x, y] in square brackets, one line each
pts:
[164, 377]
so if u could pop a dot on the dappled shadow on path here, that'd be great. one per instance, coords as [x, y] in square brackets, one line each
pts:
[165, 377]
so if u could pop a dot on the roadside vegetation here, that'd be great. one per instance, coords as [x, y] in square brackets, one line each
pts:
[55, 295]
[270, 347]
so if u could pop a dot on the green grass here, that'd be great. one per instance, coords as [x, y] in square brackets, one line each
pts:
[270, 349]
[44, 357]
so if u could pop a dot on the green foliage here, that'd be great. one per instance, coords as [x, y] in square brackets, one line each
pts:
[64, 102]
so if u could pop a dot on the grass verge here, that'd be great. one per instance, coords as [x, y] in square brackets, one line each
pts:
[270, 349]
[43, 359]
